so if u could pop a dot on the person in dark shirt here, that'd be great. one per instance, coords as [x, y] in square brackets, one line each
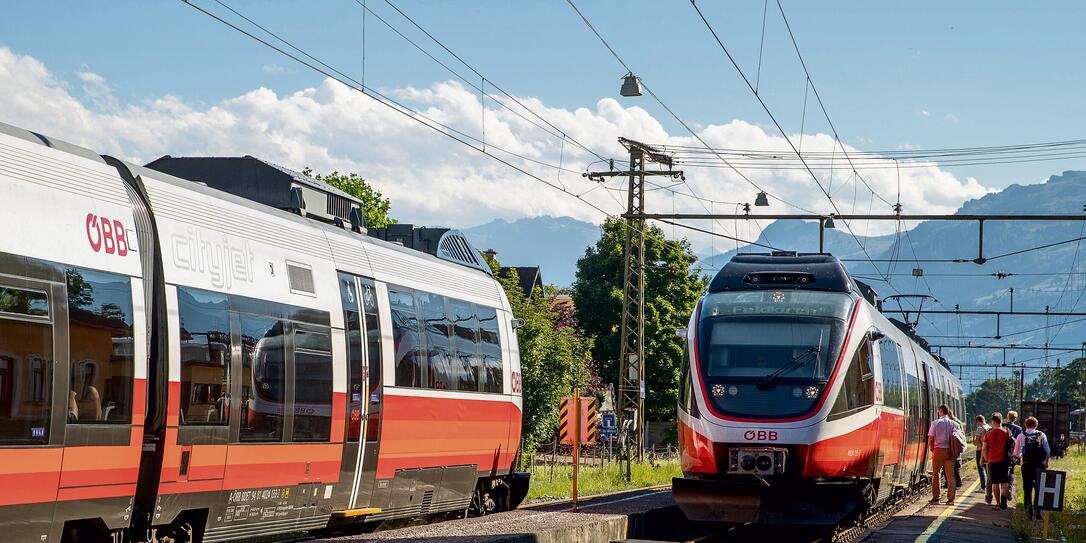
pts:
[1011, 424]
[1032, 447]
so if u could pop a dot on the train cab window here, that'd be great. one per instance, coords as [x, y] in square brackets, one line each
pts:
[409, 354]
[312, 386]
[205, 357]
[438, 341]
[857, 389]
[263, 366]
[100, 347]
[490, 348]
[26, 355]
[892, 388]
[465, 345]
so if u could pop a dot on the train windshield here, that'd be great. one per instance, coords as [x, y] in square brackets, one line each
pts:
[769, 353]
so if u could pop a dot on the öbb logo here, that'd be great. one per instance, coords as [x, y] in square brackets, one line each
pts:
[107, 235]
[760, 435]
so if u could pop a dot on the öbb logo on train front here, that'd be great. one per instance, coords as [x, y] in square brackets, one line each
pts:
[760, 435]
[104, 234]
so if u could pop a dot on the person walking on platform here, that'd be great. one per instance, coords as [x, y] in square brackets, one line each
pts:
[959, 434]
[940, 436]
[997, 446]
[1032, 447]
[978, 442]
[1015, 430]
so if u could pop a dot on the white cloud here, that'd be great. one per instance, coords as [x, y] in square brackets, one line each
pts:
[908, 146]
[97, 91]
[429, 178]
[925, 113]
[273, 69]
[950, 117]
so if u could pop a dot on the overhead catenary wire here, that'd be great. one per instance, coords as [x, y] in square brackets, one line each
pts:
[332, 73]
[671, 112]
[787, 139]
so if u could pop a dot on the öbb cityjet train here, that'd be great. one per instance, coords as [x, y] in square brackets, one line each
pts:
[800, 402]
[182, 361]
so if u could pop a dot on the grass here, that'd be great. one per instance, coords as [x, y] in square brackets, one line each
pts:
[1071, 523]
[556, 482]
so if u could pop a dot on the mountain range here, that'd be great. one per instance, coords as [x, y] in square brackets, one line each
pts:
[1017, 256]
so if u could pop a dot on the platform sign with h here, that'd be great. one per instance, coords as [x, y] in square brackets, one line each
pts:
[1050, 493]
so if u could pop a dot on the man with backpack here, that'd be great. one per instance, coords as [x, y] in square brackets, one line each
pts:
[944, 448]
[1032, 447]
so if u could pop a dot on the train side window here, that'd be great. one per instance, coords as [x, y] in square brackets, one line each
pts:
[205, 357]
[26, 355]
[436, 324]
[312, 386]
[409, 354]
[490, 348]
[890, 354]
[101, 347]
[466, 345]
[263, 367]
[857, 390]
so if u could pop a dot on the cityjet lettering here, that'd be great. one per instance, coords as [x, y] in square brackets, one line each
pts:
[107, 235]
[224, 263]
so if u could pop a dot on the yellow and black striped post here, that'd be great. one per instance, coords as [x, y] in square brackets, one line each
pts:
[563, 420]
[592, 427]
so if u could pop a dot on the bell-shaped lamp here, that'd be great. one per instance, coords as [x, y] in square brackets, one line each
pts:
[762, 200]
[630, 85]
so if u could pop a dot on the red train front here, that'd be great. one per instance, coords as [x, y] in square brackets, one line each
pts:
[801, 403]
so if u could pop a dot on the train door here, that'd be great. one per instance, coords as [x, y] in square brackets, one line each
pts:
[925, 412]
[33, 397]
[364, 392]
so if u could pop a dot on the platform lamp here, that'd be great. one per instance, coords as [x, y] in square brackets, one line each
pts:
[762, 200]
[631, 85]
[829, 222]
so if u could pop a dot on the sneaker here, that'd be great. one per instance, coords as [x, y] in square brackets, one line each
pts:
[949, 502]
[934, 501]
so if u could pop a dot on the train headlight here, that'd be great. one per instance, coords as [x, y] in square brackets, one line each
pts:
[812, 392]
[732, 390]
[797, 392]
[747, 463]
[765, 462]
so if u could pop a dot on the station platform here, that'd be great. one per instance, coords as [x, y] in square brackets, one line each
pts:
[645, 514]
[970, 520]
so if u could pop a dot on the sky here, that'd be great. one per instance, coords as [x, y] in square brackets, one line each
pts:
[143, 79]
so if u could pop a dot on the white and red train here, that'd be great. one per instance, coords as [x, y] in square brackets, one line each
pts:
[801, 404]
[181, 363]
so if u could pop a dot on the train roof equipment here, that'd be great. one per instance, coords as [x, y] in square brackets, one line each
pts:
[783, 268]
[268, 183]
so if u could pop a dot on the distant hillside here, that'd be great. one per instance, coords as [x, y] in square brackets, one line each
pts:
[552, 243]
[1052, 277]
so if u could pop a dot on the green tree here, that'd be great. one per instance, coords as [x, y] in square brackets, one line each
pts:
[554, 358]
[671, 291]
[1066, 384]
[992, 396]
[375, 207]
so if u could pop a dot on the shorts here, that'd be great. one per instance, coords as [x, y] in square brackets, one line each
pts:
[999, 473]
